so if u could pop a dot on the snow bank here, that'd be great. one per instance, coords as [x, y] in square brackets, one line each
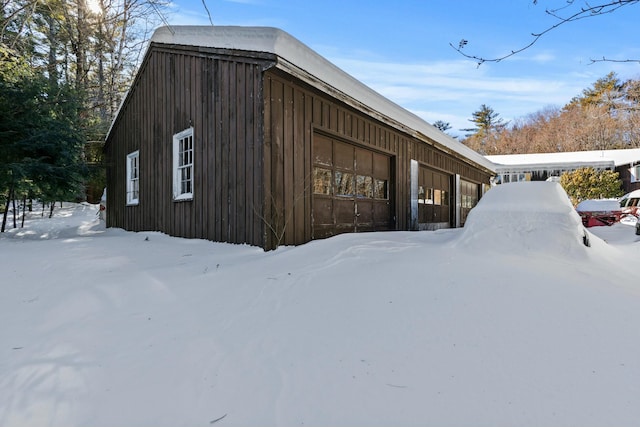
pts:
[101, 327]
[605, 205]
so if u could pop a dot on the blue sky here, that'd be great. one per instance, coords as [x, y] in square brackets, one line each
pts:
[401, 48]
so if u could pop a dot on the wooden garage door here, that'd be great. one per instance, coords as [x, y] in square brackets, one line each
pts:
[433, 197]
[350, 188]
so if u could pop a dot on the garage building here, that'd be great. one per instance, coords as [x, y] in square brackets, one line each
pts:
[246, 135]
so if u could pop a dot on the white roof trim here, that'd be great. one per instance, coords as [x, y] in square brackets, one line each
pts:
[568, 159]
[280, 43]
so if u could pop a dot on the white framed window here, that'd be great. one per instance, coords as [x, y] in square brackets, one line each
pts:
[183, 165]
[634, 171]
[133, 178]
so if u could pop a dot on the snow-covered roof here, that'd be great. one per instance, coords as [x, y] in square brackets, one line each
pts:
[597, 159]
[295, 56]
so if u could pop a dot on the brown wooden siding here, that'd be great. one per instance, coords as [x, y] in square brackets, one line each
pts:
[253, 128]
[293, 112]
[221, 97]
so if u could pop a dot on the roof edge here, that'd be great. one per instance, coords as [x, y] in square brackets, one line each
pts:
[276, 41]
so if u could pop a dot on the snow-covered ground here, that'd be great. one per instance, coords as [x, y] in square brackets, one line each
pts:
[511, 321]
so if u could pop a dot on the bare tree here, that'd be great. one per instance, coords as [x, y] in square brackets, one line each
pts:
[572, 11]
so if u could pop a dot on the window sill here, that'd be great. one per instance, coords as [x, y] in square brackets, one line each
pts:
[183, 198]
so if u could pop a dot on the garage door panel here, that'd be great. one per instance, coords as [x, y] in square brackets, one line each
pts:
[364, 162]
[344, 211]
[358, 197]
[381, 214]
[381, 166]
[323, 211]
[322, 151]
[364, 212]
[324, 231]
[343, 156]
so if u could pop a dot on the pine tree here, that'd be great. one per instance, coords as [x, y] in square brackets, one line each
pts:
[441, 125]
[87, 50]
[482, 137]
[605, 92]
[40, 140]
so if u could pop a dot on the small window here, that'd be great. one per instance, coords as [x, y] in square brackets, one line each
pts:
[133, 178]
[429, 199]
[623, 202]
[421, 194]
[322, 181]
[183, 165]
[343, 184]
[381, 189]
[364, 186]
[437, 199]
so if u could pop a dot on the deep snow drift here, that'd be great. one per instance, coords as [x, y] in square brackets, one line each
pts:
[511, 321]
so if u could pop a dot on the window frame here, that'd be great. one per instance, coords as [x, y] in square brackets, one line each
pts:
[179, 167]
[133, 182]
[635, 173]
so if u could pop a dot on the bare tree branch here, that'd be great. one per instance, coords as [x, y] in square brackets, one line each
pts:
[586, 11]
[604, 59]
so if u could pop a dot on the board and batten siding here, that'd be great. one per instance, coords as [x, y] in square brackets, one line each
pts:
[220, 96]
[294, 113]
[253, 130]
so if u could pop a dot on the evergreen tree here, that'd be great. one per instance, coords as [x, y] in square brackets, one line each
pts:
[486, 120]
[87, 50]
[483, 136]
[441, 125]
[40, 140]
[605, 92]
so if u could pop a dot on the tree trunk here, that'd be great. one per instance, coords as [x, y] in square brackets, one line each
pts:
[15, 224]
[53, 205]
[6, 210]
[52, 60]
[24, 209]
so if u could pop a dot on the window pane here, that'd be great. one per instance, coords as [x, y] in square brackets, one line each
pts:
[437, 197]
[429, 199]
[380, 189]
[183, 165]
[133, 173]
[321, 181]
[343, 183]
[364, 186]
[421, 194]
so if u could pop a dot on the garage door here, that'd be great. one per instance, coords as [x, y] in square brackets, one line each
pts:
[433, 198]
[351, 187]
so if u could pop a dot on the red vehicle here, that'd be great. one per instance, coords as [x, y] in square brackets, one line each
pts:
[599, 212]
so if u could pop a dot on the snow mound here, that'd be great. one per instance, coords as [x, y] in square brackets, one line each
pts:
[603, 205]
[526, 217]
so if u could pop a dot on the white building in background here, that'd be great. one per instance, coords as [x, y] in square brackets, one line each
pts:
[549, 166]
